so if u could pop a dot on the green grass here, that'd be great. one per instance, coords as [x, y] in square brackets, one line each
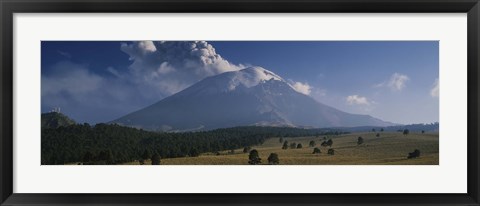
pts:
[388, 149]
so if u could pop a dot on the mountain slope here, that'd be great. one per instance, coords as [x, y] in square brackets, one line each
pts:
[252, 96]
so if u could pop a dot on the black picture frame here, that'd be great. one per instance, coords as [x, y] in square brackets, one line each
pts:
[10, 7]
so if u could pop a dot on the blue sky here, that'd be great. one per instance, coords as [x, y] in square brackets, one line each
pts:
[94, 82]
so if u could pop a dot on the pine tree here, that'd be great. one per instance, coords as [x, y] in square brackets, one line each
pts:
[273, 159]
[253, 158]
[359, 141]
[330, 142]
[414, 154]
[285, 145]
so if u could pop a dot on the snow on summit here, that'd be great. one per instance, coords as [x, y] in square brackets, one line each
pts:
[233, 80]
[250, 77]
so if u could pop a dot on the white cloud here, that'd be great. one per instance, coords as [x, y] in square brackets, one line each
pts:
[303, 88]
[396, 82]
[357, 100]
[147, 46]
[72, 86]
[434, 92]
[70, 78]
[138, 49]
[163, 68]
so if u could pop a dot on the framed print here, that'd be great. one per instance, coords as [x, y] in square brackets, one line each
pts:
[252, 103]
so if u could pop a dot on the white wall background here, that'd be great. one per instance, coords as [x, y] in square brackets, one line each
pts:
[448, 177]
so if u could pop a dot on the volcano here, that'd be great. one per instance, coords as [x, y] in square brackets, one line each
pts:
[249, 97]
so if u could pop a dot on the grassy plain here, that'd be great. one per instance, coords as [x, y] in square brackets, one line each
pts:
[391, 148]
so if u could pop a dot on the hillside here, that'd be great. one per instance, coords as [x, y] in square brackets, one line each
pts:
[55, 120]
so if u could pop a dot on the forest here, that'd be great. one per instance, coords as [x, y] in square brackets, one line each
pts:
[114, 144]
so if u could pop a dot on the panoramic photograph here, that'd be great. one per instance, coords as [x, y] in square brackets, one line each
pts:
[239, 102]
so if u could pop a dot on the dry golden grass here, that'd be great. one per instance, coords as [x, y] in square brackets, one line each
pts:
[388, 149]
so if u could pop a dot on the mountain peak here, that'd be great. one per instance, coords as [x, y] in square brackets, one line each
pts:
[260, 73]
[248, 77]
[231, 81]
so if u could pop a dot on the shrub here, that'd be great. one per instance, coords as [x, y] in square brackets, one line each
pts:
[285, 145]
[359, 141]
[405, 132]
[330, 142]
[273, 159]
[377, 135]
[414, 154]
[299, 146]
[316, 150]
[331, 151]
[253, 158]
[312, 143]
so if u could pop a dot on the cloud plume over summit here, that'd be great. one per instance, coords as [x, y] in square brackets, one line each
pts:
[170, 66]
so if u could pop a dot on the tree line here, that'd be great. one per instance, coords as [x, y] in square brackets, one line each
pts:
[115, 144]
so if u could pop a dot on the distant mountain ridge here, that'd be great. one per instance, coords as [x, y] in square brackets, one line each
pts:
[252, 96]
